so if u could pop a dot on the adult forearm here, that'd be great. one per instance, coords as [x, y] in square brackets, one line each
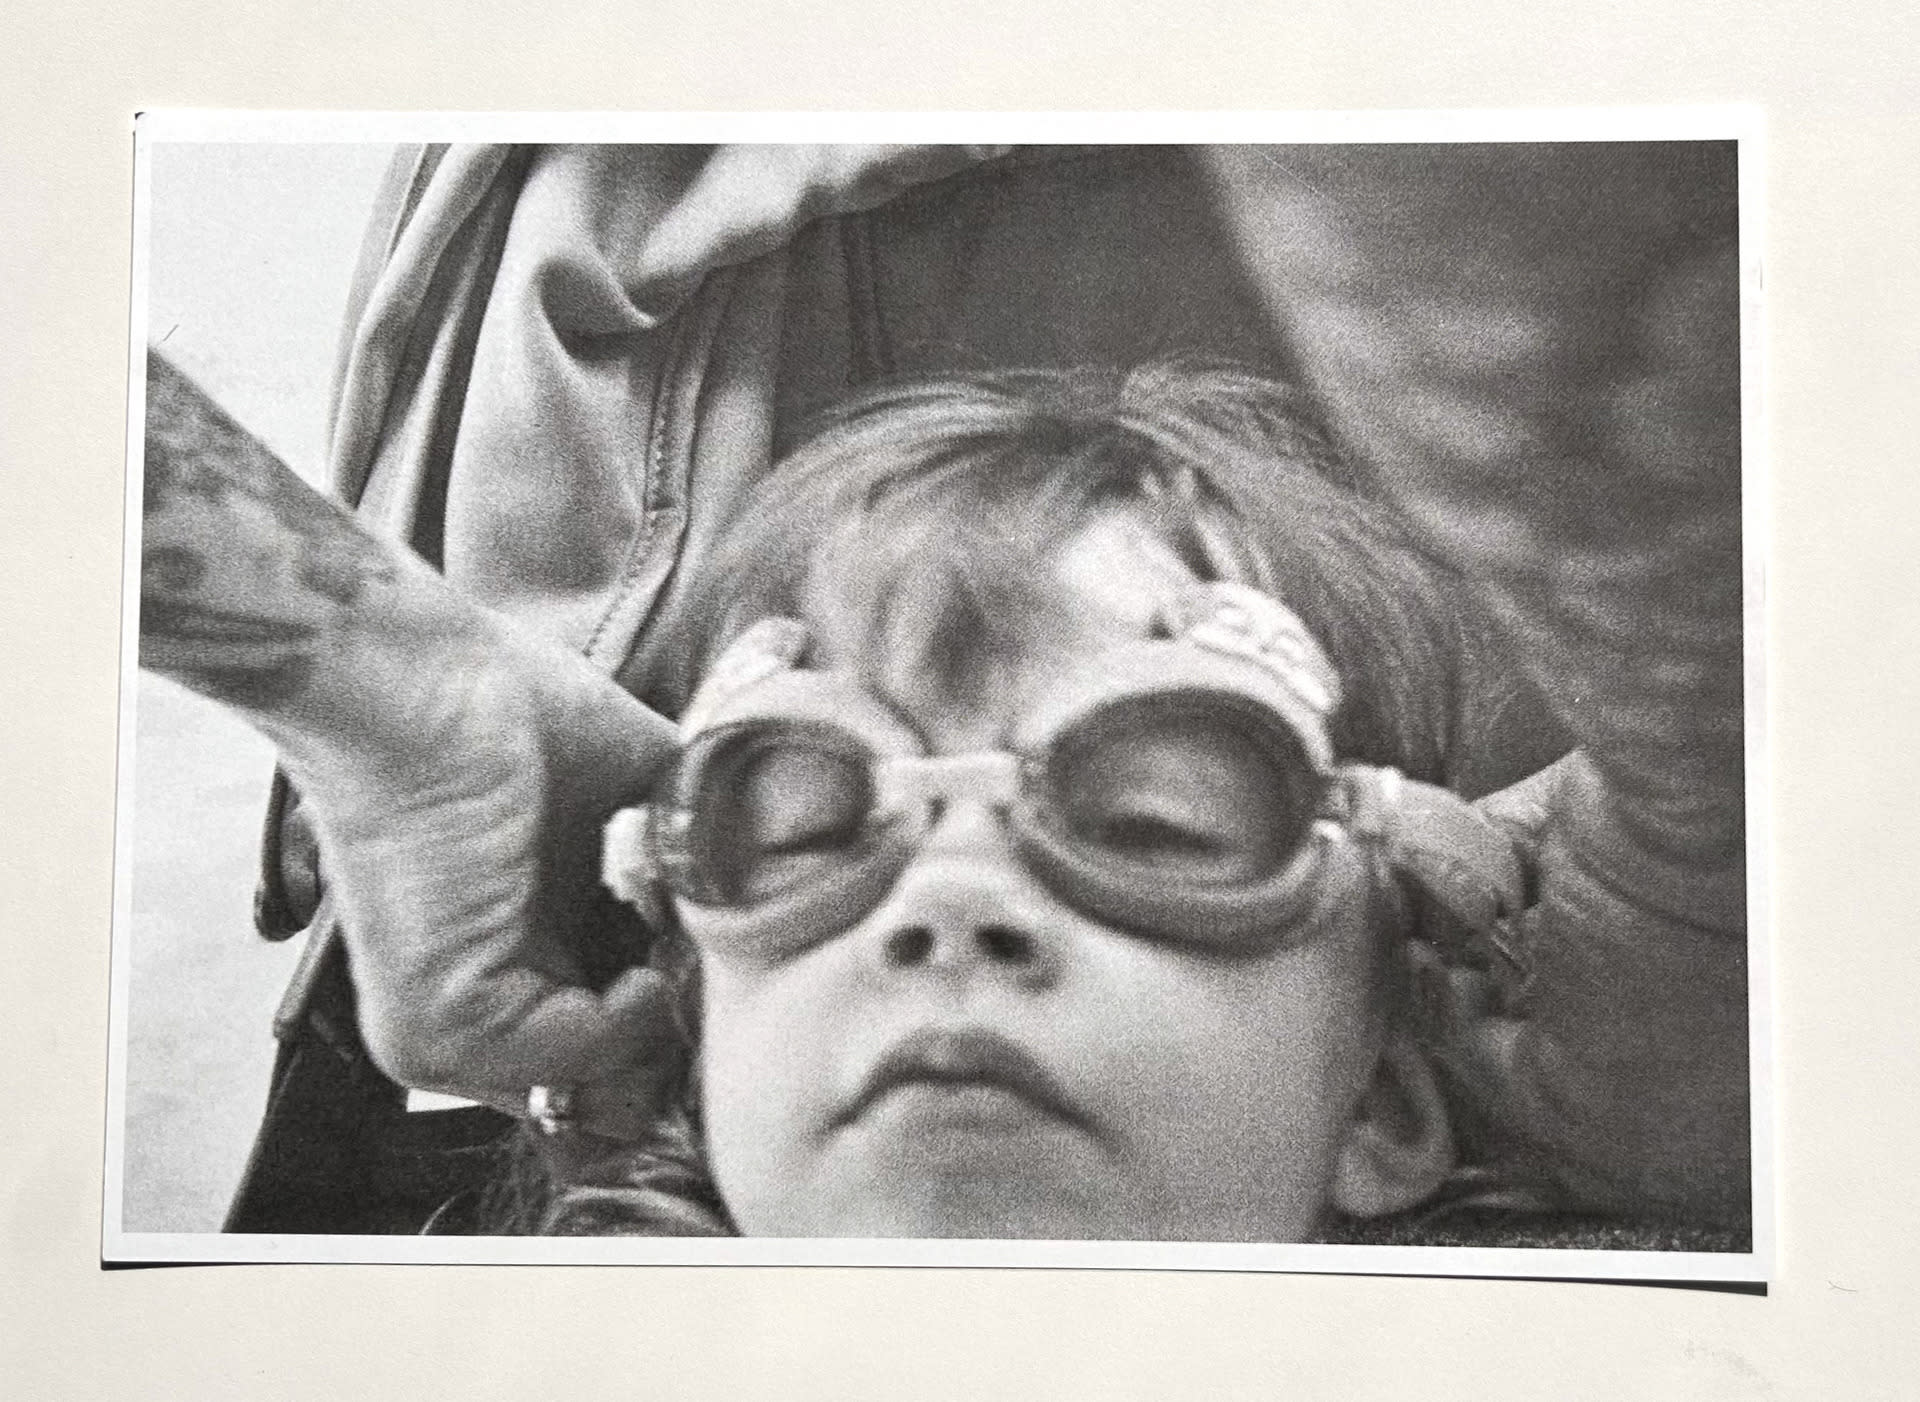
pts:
[266, 596]
[459, 770]
[1536, 350]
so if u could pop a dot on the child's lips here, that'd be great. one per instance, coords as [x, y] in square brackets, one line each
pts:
[972, 1072]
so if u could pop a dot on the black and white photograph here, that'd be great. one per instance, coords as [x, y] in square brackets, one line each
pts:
[1145, 693]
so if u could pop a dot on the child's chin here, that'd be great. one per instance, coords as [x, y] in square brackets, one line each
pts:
[977, 1206]
[983, 1219]
[984, 1207]
[929, 1205]
[1031, 1183]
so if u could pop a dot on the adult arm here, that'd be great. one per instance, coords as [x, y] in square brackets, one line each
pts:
[459, 770]
[1536, 349]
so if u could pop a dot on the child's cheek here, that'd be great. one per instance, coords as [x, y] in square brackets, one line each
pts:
[1231, 1081]
[769, 1058]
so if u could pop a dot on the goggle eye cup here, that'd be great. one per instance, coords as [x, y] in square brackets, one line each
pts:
[756, 807]
[1176, 815]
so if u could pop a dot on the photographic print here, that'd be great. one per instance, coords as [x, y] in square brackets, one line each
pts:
[1147, 692]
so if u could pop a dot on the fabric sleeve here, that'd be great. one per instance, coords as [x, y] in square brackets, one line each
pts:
[1535, 348]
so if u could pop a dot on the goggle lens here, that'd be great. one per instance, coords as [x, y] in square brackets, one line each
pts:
[1193, 787]
[1182, 790]
[775, 807]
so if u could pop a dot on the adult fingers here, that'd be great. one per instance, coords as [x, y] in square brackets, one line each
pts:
[521, 1028]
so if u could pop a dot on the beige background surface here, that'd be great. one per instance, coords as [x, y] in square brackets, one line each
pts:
[1841, 88]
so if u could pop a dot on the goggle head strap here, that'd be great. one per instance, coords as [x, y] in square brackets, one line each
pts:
[1450, 853]
[1240, 622]
[1455, 857]
[763, 670]
[1223, 619]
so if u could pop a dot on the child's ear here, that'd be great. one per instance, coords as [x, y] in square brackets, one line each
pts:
[1399, 1148]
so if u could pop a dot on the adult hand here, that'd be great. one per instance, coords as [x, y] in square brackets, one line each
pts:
[458, 770]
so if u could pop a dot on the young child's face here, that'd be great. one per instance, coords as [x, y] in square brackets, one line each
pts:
[1039, 1074]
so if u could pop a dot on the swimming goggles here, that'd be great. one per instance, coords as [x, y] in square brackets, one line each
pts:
[1186, 791]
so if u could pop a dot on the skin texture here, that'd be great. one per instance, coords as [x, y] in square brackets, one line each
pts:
[460, 771]
[244, 570]
[1206, 1098]
[1556, 414]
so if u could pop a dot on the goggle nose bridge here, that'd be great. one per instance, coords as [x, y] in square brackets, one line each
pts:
[914, 783]
[1427, 834]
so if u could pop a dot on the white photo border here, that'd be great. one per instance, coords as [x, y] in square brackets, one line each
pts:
[1742, 124]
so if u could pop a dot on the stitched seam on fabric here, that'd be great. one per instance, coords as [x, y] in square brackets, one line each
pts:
[690, 352]
[652, 465]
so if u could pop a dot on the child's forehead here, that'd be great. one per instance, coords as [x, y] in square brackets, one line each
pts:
[967, 668]
[1116, 573]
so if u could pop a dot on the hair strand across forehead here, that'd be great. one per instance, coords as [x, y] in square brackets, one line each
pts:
[913, 530]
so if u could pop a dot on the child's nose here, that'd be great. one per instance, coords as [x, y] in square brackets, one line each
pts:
[966, 905]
